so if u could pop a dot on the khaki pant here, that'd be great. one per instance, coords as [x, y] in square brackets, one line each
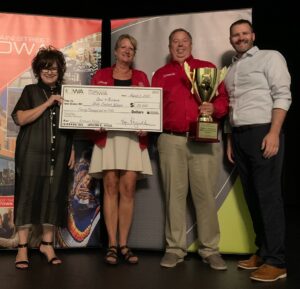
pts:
[196, 165]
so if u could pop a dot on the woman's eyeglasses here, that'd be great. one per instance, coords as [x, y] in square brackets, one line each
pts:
[51, 69]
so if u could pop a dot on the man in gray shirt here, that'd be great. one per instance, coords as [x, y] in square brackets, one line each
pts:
[258, 83]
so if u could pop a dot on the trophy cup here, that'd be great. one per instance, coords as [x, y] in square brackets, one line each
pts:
[205, 81]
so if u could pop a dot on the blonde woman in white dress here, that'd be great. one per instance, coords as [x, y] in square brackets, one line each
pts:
[120, 157]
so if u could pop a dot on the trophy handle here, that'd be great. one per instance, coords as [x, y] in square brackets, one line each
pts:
[191, 74]
[195, 90]
[219, 78]
[217, 83]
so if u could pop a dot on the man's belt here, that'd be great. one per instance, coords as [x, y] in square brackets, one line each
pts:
[177, 133]
[246, 127]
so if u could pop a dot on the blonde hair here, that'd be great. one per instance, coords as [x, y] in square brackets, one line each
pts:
[130, 38]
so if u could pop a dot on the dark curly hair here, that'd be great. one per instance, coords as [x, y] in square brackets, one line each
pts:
[45, 59]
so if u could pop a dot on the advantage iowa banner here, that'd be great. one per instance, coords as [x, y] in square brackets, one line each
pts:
[21, 36]
[210, 31]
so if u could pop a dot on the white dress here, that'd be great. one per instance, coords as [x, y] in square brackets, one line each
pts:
[121, 152]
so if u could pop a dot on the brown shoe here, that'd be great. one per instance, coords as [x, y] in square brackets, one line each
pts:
[268, 273]
[252, 263]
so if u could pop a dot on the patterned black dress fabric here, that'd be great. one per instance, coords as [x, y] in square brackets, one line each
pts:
[41, 162]
[121, 82]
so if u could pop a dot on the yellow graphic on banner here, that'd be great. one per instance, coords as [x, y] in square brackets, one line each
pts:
[237, 235]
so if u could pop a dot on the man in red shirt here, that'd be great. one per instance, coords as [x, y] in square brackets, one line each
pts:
[185, 163]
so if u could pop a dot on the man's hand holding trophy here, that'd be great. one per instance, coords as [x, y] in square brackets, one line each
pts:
[205, 82]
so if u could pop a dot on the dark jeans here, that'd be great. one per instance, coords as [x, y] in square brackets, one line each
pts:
[261, 181]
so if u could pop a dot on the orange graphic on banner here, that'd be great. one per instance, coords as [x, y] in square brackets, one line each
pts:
[6, 201]
[119, 23]
[21, 36]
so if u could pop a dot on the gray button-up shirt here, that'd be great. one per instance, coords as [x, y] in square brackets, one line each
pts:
[257, 83]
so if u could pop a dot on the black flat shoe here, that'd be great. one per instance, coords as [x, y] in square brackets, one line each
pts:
[22, 262]
[53, 260]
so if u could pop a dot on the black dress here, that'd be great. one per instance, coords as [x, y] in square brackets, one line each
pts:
[41, 163]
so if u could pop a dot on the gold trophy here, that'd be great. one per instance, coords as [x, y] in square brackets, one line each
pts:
[205, 81]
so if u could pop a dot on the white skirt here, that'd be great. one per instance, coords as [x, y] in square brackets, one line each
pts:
[121, 152]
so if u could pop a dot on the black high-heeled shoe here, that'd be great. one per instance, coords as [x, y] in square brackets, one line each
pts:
[22, 262]
[53, 260]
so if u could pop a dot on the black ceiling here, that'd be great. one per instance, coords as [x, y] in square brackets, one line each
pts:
[112, 9]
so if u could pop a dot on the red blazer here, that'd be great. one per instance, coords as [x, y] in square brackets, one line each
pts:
[104, 77]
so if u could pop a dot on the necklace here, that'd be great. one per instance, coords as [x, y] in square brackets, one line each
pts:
[51, 108]
[52, 137]
[52, 113]
[122, 74]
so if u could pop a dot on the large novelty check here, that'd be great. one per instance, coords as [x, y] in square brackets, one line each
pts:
[111, 107]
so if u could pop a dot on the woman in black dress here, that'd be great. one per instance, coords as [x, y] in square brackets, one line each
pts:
[43, 155]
